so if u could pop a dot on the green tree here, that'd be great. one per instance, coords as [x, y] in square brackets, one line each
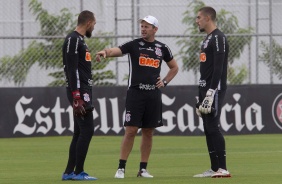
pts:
[275, 65]
[47, 53]
[227, 23]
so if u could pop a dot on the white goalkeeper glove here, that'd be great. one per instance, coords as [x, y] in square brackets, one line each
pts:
[206, 106]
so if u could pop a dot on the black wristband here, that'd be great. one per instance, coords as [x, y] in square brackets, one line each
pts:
[165, 83]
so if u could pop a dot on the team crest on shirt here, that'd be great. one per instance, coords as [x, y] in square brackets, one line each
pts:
[158, 51]
[86, 97]
[127, 117]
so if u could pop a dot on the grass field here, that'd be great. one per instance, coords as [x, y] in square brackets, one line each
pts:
[252, 159]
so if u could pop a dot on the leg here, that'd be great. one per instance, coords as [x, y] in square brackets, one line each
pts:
[146, 143]
[212, 152]
[86, 132]
[126, 147]
[152, 118]
[127, 142]
[145, 148]
[72, 150]
[215, 139]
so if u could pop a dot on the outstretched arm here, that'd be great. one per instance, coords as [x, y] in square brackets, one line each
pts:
[110, 52]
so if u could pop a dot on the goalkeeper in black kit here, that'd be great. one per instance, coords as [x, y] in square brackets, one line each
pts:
[77, 68]
[212, 88]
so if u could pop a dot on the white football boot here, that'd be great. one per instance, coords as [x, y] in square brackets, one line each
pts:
[221, 173]
[120, 173]
[144, 173]
[205, 174]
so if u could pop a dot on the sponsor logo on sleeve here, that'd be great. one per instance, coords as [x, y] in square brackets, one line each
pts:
[87, 56]
[203, 57]
[216, 42]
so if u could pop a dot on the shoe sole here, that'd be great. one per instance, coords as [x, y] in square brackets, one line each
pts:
[84, 179]
[143, 176]
[201, 176]
[222, 176]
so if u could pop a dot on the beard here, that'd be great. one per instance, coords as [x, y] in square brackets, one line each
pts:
[88, 34]
[202, 29]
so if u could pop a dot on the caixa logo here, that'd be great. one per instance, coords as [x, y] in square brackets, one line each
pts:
[277, 111]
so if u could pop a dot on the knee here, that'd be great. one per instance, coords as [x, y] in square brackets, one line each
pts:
[148, 132]
[131, 132]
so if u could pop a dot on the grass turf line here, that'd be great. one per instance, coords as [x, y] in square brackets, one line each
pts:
[251, 159]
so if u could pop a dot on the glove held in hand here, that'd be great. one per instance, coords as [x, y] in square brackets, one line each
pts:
[78, 104]
[206, 106]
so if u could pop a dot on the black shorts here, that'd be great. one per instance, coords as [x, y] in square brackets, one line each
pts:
[143, 108]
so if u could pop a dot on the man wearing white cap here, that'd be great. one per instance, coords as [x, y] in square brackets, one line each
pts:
[143, 100]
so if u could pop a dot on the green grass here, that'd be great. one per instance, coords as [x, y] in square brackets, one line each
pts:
[251, 159]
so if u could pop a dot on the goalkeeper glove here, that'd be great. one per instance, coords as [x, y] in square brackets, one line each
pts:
[78, 104]
[206, 106]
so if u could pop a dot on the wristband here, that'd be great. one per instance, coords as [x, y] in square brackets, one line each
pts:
[165, 83]
[210, 93]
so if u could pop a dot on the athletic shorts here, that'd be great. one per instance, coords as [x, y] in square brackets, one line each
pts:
[143, 108]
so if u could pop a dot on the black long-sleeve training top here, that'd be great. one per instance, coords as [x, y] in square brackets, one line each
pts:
[77, 62]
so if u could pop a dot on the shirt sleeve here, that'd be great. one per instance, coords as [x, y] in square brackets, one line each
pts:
[167, 54]
[219, 55]
[126, 47]
[72, 59]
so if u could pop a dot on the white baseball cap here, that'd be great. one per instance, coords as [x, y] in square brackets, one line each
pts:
[151, 20]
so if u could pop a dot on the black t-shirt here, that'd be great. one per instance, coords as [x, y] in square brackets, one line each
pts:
[145, 62]
[77, 62]
[213, 61]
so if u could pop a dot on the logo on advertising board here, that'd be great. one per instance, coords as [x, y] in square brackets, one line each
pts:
[277, 111]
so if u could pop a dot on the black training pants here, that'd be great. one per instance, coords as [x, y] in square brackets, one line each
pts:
[82, 135]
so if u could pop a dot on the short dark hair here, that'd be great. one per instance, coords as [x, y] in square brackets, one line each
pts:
[85, 16]
[209, 11]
